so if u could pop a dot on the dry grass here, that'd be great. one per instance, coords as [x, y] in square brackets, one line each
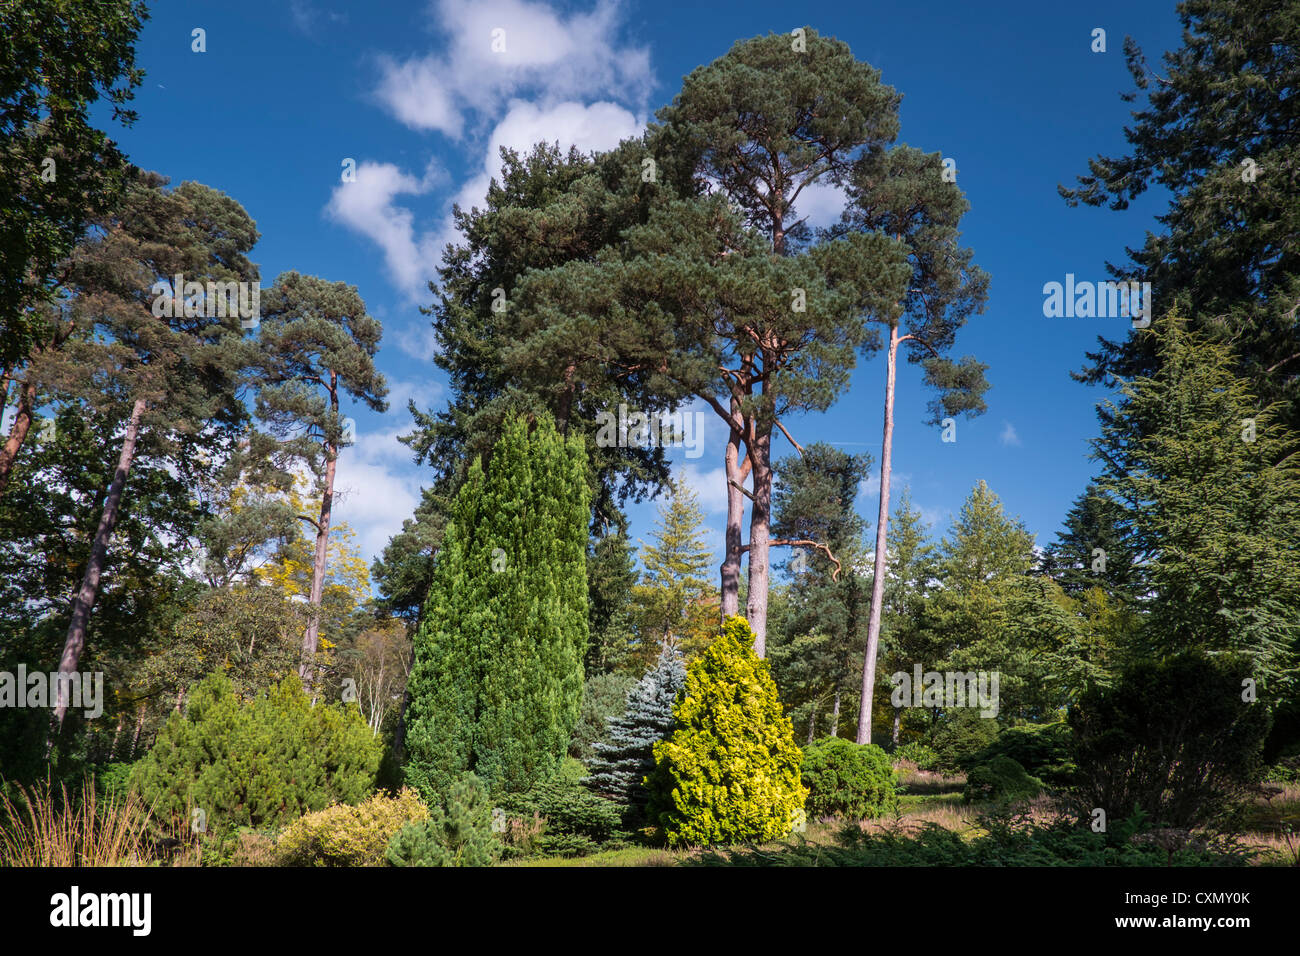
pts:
[917, 781]
[45, 828]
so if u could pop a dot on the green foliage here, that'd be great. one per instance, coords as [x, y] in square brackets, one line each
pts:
[603, 698]
[816, 653]
[1221, 249]
[577, 821]
[918, 753]
[730, 771]
[672, 605]
[457, 833]
[1172, 738]
[344, 835]
[960, 735]
[1212, 486]
[572, 771]
[1044, 750]
[1007, 843]
[1000, 780]
[850, 780]
[1095, 521]
[257, 763]
[497, 684]
[58, 60]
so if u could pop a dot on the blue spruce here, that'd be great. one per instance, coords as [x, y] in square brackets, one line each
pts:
[622, 761]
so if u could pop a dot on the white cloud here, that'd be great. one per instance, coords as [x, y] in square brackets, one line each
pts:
[709, 485]
[426, 393]
[378, 488]
[1009, 436]
[416, 339]
[822, 202]
[869, 487]
[412, 255]
[367, 205]
[542, 53]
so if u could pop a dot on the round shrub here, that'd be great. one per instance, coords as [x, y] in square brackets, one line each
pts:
[730, 771]
[850, 780]
[577, 821]
[1044, 750]
[257, 763]
[457, 833]
[1001, 780]
[344, 835]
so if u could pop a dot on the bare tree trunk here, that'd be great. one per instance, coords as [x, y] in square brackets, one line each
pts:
[117, 733]
[812, 724]
[835, 716]
[139, 726]
[86, 594]
[18, 433]
[898, 713]
[760, 526]
[735, 518]
[311, 638]
[882, 531]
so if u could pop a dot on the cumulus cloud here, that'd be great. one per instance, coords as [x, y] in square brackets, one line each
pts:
[368, 206]
[495, 50]
[561, 78]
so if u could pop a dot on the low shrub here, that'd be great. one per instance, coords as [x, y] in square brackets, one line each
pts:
[1005, 843]
[458, 831]
[851, 780]
[253, 848]
[260, 763]
[1043, 750]
[344, 835]
[577, 821]
[1001, 780]
[572, 771]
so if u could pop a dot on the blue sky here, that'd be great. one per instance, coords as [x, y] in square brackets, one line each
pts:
[287, 89]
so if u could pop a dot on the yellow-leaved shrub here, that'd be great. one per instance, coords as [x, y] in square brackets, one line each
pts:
[343, 835]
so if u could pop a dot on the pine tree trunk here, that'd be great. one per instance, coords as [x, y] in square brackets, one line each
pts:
[760, 526]
[86, 594]
[735, 518]
[812, 724]
[18, 433]
[882, 532]
[311, 638]
[898, 713]
[835, 716]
